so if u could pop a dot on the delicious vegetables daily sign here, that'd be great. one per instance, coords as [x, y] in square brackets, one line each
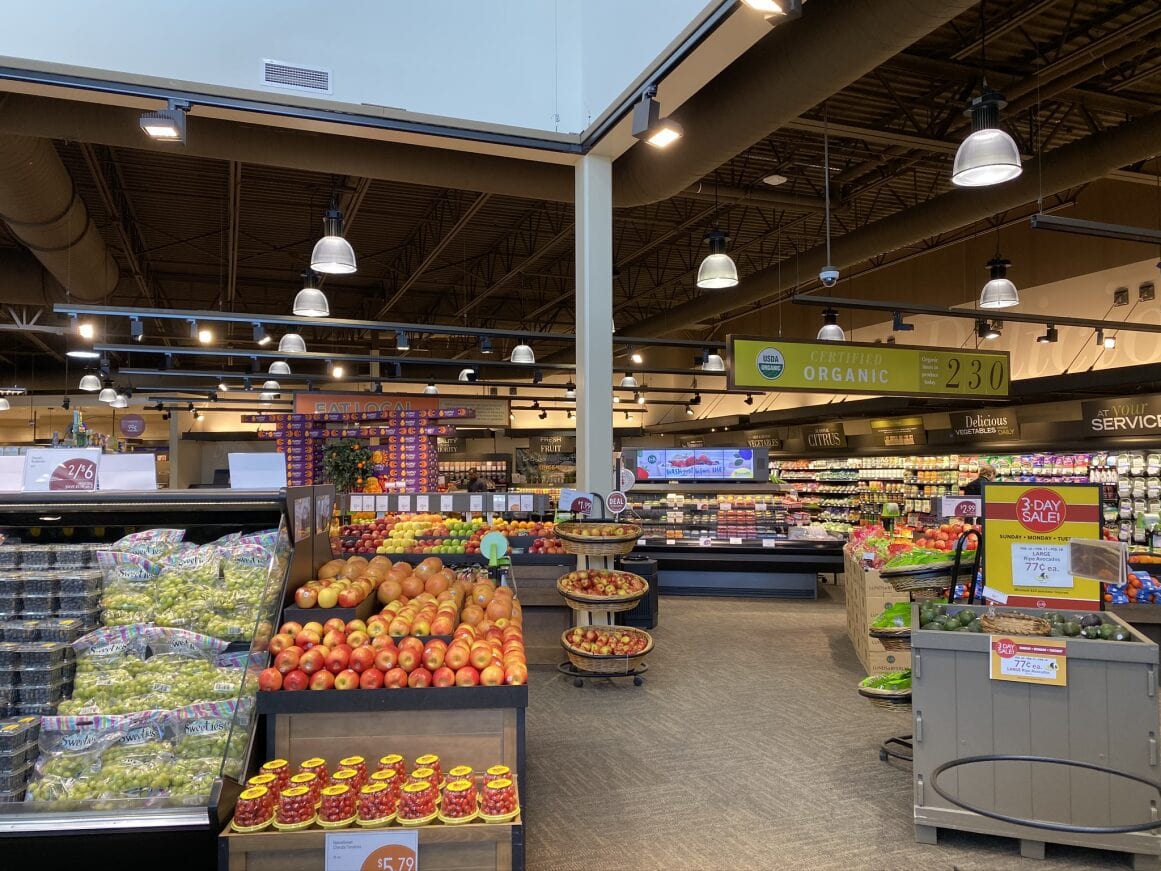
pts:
[1027, 530]
[857, 367]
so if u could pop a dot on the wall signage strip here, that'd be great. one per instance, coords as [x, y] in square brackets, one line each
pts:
[858, 367]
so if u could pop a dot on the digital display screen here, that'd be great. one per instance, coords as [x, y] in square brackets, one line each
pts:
[701, 464]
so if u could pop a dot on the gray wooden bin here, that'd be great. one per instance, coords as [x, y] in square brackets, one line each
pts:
[1108, 715]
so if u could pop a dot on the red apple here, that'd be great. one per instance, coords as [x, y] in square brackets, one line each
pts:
[492, 676]
[322, 680]
[290, 628]
[279, 643]
[421, 677]
[296, 679]
[443, 677]
[347, 680]
[337, 660]
[287, 660]
[371, 679]
[305, 597]
[386, 658]
[270, 679]
[467, 676]
[362, 659]
[395, 678]
[313, 660]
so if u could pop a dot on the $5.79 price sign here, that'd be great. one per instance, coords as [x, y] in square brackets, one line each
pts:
[1029, 660]
[388, 850]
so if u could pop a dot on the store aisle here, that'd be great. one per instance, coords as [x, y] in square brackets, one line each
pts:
[747, 748]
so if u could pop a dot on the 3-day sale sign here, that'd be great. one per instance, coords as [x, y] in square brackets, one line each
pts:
[1027, 530]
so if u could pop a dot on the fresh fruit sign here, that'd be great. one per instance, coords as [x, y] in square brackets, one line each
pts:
[1027, 531]
[1029, 660]
[858, 367]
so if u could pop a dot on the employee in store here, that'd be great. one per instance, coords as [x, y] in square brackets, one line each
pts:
[475, 484]
[976, 487]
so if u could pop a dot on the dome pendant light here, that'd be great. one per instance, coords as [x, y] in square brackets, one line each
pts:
[717, 270]
[90, 383]
[333, 255]
[311, 302]
[830, 330]
[988, 155]
[291, 343]
[999, 292]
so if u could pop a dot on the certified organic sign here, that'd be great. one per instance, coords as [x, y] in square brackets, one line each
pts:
[1029, 660]
[857, 367]
[1027, 531]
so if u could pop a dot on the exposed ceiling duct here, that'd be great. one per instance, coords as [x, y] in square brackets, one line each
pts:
[1069, 166]
[40, 205]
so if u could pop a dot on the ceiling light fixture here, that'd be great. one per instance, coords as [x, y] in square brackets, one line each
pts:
[718, 270]
[712, 362]
[279, 367]
[986, 329]
[431, 390]
[649, 126]
[90, 383]
[830, 330]
[988, 155]
[311, 302]
[168, 124]
[523, 355]
[261, 337]
[332, 254]
[1050, 335]
[898, 325]
[291, 343]
[629, 382]
[999, 291]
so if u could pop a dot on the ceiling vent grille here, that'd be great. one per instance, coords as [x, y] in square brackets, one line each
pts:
[297, 78]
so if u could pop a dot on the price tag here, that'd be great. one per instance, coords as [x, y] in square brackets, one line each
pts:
[1029, 660]
[475, 502]
[404, 502]
[422, 503]
[383, 850]
[499, 502]
[445, 504]
[735, 540]
[61, 469]
[769, 542]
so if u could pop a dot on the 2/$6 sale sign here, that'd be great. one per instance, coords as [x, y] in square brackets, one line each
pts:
[1027, 530]
[857, 367]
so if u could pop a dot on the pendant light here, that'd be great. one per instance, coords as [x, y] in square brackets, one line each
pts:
[90, 383]
[107, 394]
[999, 292]
[311, 302]
[718, 270]
[291, 343]
[830, 330]
[279, 367]
[333, 255]
[523, 354]
[988, 155]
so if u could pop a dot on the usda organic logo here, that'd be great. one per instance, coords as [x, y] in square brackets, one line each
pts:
[770, 363]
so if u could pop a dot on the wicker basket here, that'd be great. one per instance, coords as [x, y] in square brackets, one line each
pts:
[582, 546]
[892, 637]
[598, 664]
[1014, 624]
[582, 602]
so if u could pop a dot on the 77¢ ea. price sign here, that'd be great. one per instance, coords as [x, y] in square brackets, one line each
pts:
[388, 850]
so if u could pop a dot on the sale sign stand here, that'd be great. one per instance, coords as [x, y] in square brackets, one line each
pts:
[1027, 532]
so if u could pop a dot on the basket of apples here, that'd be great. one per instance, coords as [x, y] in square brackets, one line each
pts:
[606, 649]
[602, 590]
[597, 538]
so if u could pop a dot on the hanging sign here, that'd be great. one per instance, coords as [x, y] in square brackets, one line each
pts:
[976, 426]
[382, 850]
[1027, 531]
[60, 469]
[824, 436]
[861, 367]
[899, 432]
[1029, 660]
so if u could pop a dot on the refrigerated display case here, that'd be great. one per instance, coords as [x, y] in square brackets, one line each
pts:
[147, 725]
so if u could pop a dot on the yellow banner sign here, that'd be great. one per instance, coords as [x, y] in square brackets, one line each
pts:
[1029, 660]
[858, 367]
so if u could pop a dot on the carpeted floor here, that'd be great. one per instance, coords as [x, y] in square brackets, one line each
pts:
[747, 748]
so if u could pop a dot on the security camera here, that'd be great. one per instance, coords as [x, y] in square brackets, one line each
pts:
[829, 276]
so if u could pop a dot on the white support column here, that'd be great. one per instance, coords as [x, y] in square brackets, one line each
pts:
[594, 324]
